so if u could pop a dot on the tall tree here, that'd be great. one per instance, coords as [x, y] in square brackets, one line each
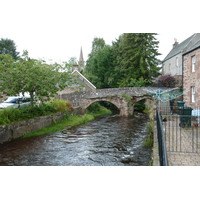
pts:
[8, 46]
[99, 66]
[40, 80]
[97, 44]
[136, 59]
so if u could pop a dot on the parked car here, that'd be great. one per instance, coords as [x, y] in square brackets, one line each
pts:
[15, 102]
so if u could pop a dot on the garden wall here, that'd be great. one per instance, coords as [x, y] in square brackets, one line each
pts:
[18, 129]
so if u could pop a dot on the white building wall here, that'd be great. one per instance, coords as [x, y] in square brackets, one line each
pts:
[173, 66]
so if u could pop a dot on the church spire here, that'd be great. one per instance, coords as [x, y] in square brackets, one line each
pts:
[81, 61]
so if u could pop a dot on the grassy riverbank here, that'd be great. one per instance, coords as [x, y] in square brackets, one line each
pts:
[71, 121]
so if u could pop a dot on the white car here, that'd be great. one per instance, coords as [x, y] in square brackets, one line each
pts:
[15, 102]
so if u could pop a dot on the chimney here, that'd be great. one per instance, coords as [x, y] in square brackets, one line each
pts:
[175, 43]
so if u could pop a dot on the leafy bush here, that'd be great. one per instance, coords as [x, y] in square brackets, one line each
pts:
[166, 81]
[93, 108]
[38, 110]
[140, 106]
[9, 115]
[62, 105]
[96, 109]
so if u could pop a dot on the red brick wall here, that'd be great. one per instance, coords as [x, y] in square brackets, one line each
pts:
[191, 79]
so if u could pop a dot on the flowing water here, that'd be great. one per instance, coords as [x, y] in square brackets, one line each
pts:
[107, 141]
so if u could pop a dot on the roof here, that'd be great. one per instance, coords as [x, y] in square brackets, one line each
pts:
[193, 47]
[183, 46]
[76, 72]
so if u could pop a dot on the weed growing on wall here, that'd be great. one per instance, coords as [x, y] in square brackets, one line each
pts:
[127, 98]
[148, 142]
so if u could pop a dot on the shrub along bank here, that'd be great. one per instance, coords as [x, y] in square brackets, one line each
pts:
[10, 115]
[71, 120]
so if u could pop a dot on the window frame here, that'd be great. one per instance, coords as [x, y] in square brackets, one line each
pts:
[193, 94]
[193, 61]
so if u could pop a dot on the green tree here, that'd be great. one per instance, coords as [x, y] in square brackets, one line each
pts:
[40, 80]
[70, 65]
[8, 46]
[99, 66]
[136, 59]
[97, 44]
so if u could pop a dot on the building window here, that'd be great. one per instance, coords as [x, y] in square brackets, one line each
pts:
[169, 68]
[176, 61]
[193, 63]
[193, 94]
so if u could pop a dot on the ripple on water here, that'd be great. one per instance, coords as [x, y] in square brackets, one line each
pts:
[110, 141]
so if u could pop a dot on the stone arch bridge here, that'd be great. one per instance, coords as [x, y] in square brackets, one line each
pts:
[123, 98]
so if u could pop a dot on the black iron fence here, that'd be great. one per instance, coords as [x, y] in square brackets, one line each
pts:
[181, 128]
[161, 140]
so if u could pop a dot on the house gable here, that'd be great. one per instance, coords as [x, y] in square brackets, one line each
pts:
[84, 80]
[172, 63]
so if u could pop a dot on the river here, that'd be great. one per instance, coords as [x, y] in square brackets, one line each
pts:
[106, 141]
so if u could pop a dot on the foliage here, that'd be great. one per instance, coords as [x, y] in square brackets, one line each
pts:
[70, 121]
[8, 46]
[97, 109]
[131, 61]
[62, 105]
[99, 67]
[140, 106]
[166, 80]
[9, 115]
[148, 142]
[132, 82]
[97, 44]
[127, 98]
[40, 80]
[69, 66]
[136, 58]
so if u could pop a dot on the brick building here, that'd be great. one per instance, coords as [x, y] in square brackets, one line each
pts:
[172, 63]
[191, 76]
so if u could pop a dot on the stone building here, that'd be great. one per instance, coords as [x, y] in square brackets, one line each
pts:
[191, 76]
[172, 63]
[82, 85]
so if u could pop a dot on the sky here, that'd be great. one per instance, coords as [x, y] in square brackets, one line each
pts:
[57, 29]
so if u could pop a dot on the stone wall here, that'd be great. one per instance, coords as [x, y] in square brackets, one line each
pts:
[18, 129]
[191, 79]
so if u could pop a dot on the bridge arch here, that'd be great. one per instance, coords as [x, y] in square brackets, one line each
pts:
[101, 100]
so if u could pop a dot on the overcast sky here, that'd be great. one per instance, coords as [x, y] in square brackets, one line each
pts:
[56, 29]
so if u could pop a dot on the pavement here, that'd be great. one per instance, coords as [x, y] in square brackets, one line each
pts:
[183, 144]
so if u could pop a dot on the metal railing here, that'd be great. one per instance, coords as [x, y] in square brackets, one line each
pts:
[181, 127]
[161, 140]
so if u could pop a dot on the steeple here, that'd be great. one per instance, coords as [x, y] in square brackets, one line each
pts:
[81, 61]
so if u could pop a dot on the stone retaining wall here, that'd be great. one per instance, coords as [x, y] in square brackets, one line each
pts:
[18, 129]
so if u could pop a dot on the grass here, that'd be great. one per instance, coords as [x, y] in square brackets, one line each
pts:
[148, 142]
[70, 121]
